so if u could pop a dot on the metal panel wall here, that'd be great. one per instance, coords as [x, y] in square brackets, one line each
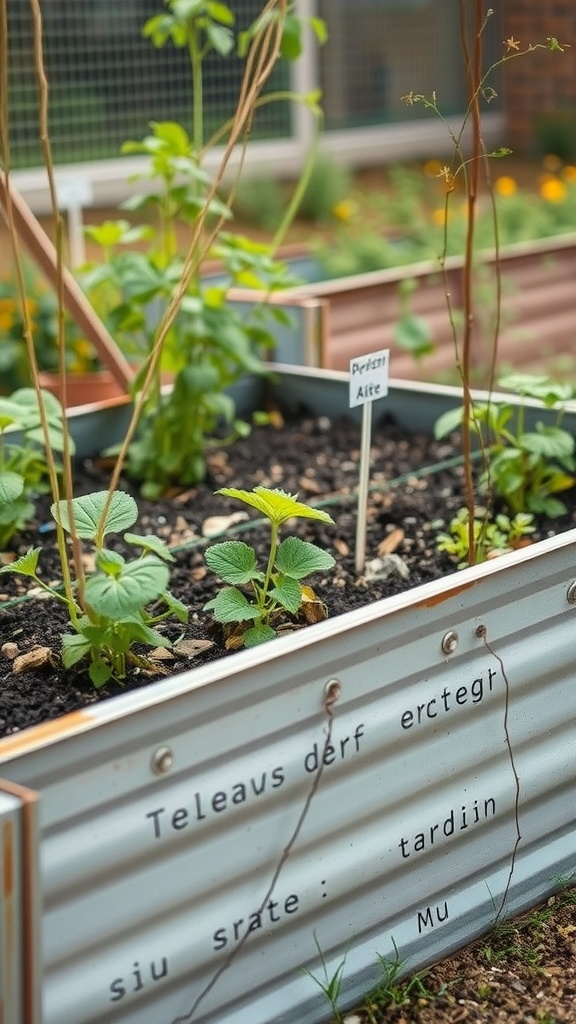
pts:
[19, 908]
[166, 819]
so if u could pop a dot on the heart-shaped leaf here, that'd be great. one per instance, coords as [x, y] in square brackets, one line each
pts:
[259, 634]
[233, 561]
[88, 512]
[230, 605]
[11, 486]
[297, 558]
[120, 595]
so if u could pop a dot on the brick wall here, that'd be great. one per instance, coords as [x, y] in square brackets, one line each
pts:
[540, 88]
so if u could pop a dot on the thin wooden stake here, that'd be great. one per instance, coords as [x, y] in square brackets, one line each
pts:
[363, 478]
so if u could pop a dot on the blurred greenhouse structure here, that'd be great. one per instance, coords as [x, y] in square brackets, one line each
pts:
[108, 82]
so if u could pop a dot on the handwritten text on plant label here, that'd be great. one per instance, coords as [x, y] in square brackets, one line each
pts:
[369, 377]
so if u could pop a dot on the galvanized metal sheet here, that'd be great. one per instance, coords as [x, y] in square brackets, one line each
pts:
[11, 911]
[191, 869]
[19, 906]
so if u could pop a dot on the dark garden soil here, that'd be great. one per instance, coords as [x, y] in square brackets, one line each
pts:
[515, 975]
[314, 457]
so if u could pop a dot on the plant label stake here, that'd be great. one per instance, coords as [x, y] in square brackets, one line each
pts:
[368, 380]
[74, 195]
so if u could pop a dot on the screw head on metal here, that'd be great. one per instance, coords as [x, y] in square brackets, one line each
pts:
[162, 760]
[571, 593]
[449, 642]
[332, 691]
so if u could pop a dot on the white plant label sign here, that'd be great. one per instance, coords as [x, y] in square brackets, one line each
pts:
[368, 380]
[369, 377]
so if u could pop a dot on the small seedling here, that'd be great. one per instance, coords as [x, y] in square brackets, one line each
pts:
[331, 985]
[491, 537]
[278, 589]
[528, 468]
[113, 615]
[391, 991]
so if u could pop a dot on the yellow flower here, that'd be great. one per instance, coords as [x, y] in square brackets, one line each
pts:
[553, 190]
[569, 173]
[505, 185]
[439, 216]
[83, 349]
[344, 210]
[7, 317]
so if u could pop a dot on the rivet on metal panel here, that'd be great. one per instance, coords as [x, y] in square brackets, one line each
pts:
[332, 691]
[449, 642]
[162, 760]
[480, 631]
[571, 593]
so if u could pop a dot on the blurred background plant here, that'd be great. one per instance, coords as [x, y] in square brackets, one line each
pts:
[163, 313]
[42, 309]
[402, 221]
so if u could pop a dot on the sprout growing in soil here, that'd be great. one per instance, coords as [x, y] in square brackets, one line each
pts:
[254, 618]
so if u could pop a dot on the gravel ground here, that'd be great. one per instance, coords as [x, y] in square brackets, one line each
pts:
[523, 972]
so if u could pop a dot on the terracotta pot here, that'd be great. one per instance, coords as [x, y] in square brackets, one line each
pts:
[83, 388]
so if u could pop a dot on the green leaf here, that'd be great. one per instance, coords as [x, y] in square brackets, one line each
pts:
[276, 505]
[112, 232]
[220, 12]
[559, 481]
[150, 543]
[75, 646]
[230, 605]
[233, 561]
[287, 592]
[187, 8]
[537, 385]
[291, 44]
[319, 28]
[220, 38]
[11, 486]
[548, 442]
[133, 629]
[26, 565]
[546, 505]
[110, 562]
[55, 437]
[297, 558]
[174, 135]
[412, 333]
[88, 510]
[100, 672]
[259, 634]
[9, 413]
[176, 607]
[449, 422]
[118, 596]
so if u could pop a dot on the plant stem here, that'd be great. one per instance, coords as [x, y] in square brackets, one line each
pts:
[271, 559]
[474, 76]
[196, 58]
